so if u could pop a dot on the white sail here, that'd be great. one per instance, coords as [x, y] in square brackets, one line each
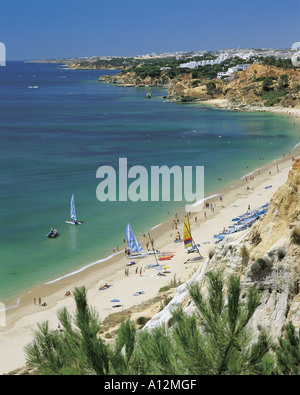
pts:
[73, 216]
[73, 211]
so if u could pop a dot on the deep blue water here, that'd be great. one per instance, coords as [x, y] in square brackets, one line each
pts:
[58, 126]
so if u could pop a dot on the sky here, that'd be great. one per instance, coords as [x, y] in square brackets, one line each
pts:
[44, 29]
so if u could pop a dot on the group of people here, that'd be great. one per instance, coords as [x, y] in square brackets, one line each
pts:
[115, 249]
[137, 270]
[44, 304]
[148, 244]
[175, 223]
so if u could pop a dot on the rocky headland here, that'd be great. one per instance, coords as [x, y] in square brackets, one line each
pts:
[255, 88]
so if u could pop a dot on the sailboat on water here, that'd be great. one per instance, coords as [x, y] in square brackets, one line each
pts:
[187, 237]
[134, 246]
[73, 218]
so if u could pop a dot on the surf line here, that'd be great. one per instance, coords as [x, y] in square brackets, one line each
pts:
[83, 268]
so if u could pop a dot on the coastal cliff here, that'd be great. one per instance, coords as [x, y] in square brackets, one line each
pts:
[131, 79]
[258, 86]
[265, 256]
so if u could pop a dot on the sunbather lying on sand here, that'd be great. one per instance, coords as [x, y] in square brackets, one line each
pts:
[105, 286]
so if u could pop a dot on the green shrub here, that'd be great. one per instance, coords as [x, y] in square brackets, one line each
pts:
[281, 253]
[165, 288]
[245, 255]
[256, 238]
[165, 302]
[142, 320]
[211, 253]
[295, 236]
[272, 98]
[260, 266]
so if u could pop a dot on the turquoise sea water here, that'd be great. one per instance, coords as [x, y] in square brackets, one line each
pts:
[58, 126]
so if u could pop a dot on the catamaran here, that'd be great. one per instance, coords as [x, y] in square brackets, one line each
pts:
[134, 246]
[73, 220]
[187, 237]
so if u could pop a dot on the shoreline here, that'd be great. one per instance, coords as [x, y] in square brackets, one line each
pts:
[21, 320]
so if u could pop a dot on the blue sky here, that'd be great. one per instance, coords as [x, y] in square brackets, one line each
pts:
[43, 29]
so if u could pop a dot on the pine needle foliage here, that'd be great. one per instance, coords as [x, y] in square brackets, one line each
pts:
[288, 352]
[214, 340]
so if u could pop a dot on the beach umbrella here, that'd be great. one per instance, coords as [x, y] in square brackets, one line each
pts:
[166, 267]
[115, 300]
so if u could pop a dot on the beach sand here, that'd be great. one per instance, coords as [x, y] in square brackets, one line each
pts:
[236, 197]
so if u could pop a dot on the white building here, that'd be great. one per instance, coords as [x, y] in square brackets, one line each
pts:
[233, 70]
[193, 64]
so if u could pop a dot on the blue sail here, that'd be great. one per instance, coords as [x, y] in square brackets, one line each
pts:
[131, 240]
[139, 247]
[73, 212]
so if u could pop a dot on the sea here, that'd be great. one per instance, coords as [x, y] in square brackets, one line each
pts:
[58, 126]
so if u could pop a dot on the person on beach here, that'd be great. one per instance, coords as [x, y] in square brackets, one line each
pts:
[141, 271]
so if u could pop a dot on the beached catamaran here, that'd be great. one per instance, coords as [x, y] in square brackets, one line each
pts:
[73, 220]
[134, 246]
[187, 237]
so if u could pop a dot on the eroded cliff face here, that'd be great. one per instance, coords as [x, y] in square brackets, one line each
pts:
[248, 88]
[282, 217]
[266, 256]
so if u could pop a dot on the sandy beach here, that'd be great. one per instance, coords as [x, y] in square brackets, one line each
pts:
[142, 284]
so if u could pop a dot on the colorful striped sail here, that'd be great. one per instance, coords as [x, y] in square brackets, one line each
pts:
[187, 236]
